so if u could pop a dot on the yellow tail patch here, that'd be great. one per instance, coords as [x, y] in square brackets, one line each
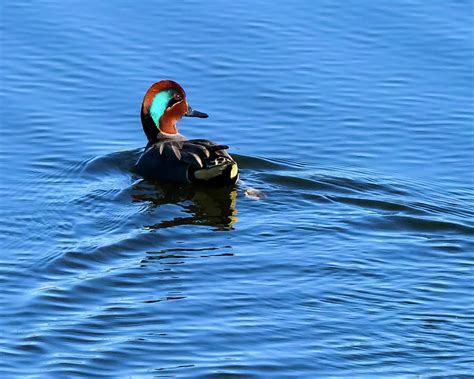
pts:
[234, 171]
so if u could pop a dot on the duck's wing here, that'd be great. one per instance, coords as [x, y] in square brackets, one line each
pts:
[215, 153]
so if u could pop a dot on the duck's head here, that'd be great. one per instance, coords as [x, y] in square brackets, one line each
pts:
[163, 105]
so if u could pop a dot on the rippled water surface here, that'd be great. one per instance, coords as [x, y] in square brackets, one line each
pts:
[347, 247]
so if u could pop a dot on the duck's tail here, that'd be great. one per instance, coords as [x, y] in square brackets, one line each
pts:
[221, 171]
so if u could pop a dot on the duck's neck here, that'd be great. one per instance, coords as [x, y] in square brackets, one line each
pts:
[152, 132]
[168, 125]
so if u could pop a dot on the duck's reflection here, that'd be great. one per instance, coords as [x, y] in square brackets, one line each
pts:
[204, 206]
[178, 256]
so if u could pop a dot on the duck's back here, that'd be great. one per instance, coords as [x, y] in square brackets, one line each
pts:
[188, 161]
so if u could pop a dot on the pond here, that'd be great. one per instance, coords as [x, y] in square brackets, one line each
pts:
[345, 249]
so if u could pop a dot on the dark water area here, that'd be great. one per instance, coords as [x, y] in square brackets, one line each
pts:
[347, 248]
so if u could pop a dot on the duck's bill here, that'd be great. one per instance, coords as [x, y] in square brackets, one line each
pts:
[193, 113]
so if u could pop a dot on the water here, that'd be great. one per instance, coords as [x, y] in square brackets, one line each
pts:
[346, 249]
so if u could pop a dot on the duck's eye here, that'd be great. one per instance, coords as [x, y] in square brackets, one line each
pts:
[172, 102]
[177, 96]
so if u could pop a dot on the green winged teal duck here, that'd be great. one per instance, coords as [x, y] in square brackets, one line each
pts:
[169, 156]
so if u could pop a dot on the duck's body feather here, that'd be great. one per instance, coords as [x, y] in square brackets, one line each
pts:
[180, 160]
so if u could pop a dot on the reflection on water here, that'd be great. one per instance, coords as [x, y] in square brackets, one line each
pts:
[216, 207]
[179, 255]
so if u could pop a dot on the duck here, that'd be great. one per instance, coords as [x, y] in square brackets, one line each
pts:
[171, 157]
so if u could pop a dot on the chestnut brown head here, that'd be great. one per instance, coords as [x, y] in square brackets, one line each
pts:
[163, 105]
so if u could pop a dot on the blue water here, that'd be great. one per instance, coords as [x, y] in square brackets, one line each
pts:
[346, 249]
